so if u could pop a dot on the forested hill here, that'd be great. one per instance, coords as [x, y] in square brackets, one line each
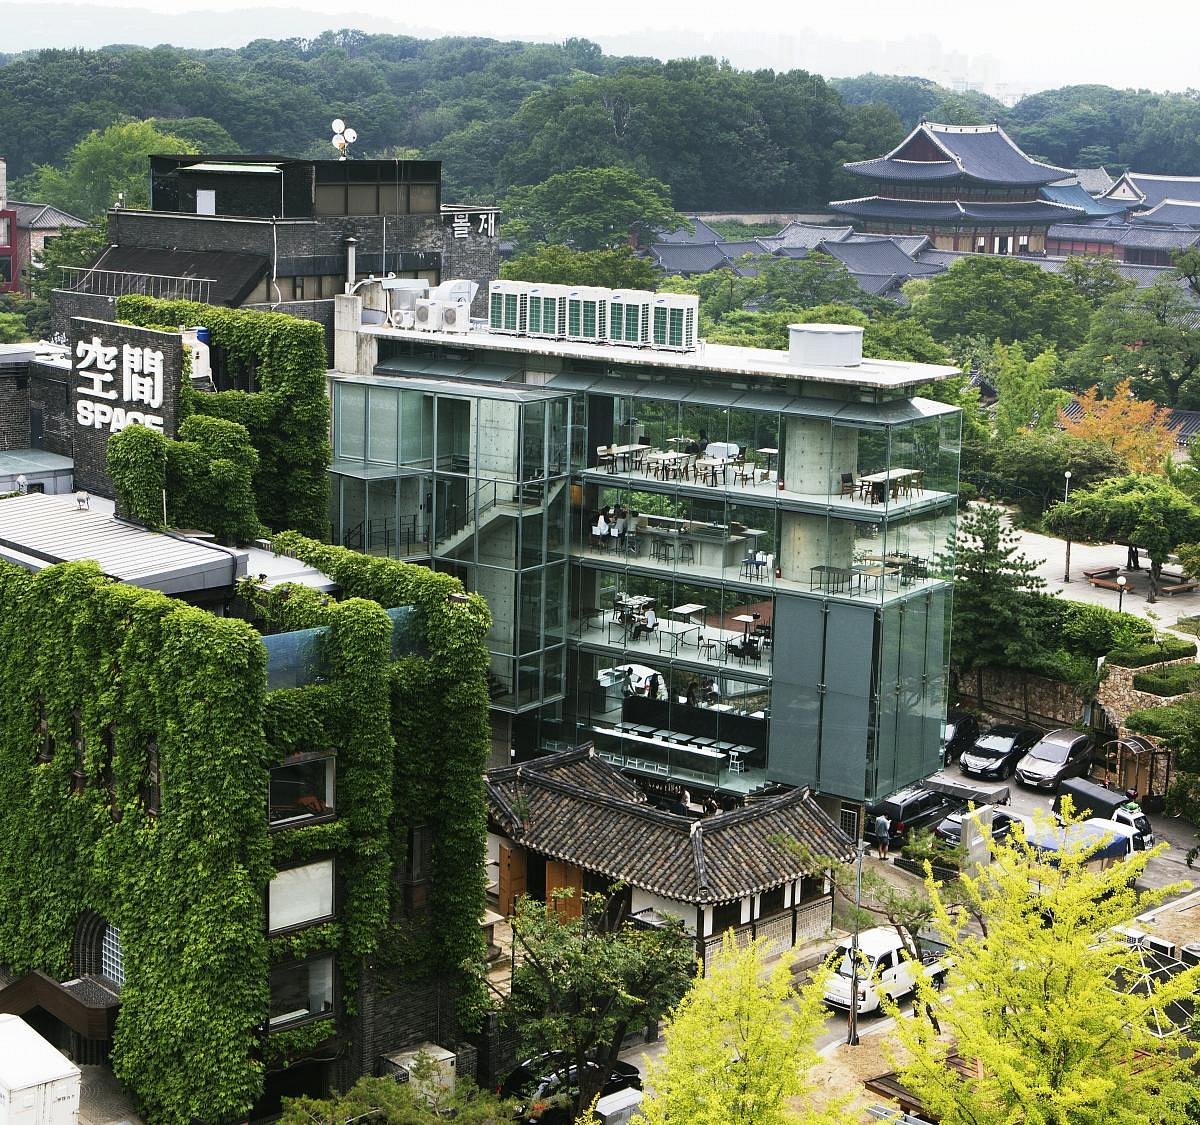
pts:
[502, 114]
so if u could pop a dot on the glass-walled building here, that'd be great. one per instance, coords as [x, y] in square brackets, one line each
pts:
[721, 568]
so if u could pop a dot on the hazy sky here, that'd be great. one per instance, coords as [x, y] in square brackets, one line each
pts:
[1010, 47]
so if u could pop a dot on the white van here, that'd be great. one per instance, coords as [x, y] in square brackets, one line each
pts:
[884, 968]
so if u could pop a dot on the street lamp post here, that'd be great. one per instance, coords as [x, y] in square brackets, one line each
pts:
[1121, 592]
[852, 1022]
[1066, 494]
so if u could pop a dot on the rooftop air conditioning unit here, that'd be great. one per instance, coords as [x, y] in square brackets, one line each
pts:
[428, 314]
[428, 1067]
[508, 306]
[402, 318]
[629, 316]
[587, 314]
[548, 311]
[456, 317]
[1160, 945]
[674, 317]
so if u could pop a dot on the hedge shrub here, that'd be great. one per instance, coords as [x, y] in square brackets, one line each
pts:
[1153, 652]
[1176, 680]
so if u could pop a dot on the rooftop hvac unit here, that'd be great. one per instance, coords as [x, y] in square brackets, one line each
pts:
[1159, 945]
[459, 290]
[402, 294]
[548, 311]
[402, 318]
[629, 316]
[428, 314]
[587, 314]
[1190, 953]
[508, 306]
[673, 325]
[436, 1070]
[456, 316]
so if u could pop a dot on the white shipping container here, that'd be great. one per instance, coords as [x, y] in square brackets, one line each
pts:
[38, 1084]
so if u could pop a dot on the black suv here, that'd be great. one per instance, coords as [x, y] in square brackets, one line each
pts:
[997, 752]
[538, 1085]
[959, 734]
[914, 807]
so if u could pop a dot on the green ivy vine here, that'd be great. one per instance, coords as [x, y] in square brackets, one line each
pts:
[287, 422]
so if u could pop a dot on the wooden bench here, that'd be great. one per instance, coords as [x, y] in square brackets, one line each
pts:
[1106, 583]
[1102, 572]
[1178, 587]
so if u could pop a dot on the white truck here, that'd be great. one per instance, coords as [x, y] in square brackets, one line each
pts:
[885, 967]
[38, 1085]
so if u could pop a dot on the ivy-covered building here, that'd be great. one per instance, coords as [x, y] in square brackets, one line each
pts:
[247, 856]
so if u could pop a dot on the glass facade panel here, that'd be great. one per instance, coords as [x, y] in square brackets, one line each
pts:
[351, 422]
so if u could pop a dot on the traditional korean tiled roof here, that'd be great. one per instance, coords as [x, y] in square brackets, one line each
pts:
[875, 207]
[804, 236]
[1185, 424]
[875, 256]
[1095, 181]
[1140, 237]
[1073, 195]
[1172, 212]
[702, 232]
[910, 243]
[576, 808]
[984, 153]
[1107, 233]
[44, 216]
[1141, 276]
[1151, 190]
[736, 248]
[685, 258]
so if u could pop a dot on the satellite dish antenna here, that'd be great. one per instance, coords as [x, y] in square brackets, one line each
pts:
[343, 138]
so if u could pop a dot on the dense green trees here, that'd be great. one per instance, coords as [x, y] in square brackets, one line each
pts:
[1004, 299]
[103, 165]
[589, 209]
[560, 265]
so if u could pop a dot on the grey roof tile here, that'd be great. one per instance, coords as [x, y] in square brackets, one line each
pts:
[575, 807]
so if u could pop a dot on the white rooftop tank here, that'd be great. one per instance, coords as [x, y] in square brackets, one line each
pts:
[825, 345]
[38, 1084]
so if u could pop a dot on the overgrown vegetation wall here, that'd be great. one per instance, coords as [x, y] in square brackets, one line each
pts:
[96, 679]
[288, 420]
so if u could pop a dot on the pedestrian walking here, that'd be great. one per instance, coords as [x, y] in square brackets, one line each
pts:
[883, 834]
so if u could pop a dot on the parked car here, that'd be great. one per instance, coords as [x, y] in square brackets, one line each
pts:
[1090, 799]
[997, 751]
[958, 734]
[950, 829]
[884, 968]
[544, 1078]
[1059, 755]
[914, 807]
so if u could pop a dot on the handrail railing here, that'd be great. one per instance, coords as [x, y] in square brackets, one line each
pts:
[118, 283]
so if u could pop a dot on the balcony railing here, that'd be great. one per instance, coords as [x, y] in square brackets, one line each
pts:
[118, 283]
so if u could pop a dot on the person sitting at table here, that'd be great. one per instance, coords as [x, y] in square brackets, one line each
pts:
[620, 523]
[602, 524]
[653, 685]
[647, 624]
[692, 447]
[690, 696]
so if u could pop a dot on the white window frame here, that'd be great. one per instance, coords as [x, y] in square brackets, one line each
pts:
[300, 896]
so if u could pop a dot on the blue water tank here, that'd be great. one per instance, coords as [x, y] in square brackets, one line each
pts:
[203, 335]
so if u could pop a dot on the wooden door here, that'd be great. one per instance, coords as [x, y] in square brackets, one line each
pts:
[512, 876]
[559, 874]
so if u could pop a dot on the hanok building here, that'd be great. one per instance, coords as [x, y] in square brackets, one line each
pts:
[566, 821]
[784, 513]
[967, 187]
[273, 232]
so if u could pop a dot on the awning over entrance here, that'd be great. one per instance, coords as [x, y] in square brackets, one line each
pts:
[86, 1005]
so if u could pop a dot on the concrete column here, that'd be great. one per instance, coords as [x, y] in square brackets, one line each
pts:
[815, 454]
[806, 541]
[353, 352]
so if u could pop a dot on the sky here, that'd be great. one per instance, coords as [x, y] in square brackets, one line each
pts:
[1006, 49]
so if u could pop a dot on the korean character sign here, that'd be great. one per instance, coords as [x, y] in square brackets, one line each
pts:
[120, 376]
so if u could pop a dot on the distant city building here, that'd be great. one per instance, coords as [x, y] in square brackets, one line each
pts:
[966, 187]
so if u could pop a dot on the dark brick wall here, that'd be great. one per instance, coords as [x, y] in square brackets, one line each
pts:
[49, 393]
[65, 303]
[14, 411]
[90, 442]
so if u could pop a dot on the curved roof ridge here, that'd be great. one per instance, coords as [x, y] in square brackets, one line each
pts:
[1032, 160]
[923, 127]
